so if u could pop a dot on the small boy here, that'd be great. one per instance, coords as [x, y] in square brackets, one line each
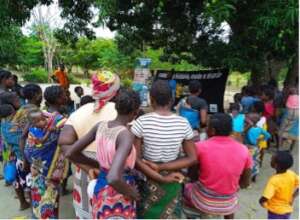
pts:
[79, 93]
[282, 188]
[40, 130]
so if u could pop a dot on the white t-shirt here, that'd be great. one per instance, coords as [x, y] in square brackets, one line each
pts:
[162, 135]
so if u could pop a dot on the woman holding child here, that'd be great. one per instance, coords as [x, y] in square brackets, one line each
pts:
[43, 133]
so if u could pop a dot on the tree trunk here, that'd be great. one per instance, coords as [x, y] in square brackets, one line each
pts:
[86, 73]
[255, 76]
[293, 72]
[50, 66]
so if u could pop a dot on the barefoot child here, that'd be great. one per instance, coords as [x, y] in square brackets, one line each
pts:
[282, 187]
[252, 137]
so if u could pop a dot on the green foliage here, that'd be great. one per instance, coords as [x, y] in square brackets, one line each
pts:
[158, 63]
[10, 41]
[126, 82]
[36, 75]
[73, 79]
[31, 52]
[193, 30]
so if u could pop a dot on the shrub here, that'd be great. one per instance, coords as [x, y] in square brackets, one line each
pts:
[36, 75]
[73, 79]
[126, 82]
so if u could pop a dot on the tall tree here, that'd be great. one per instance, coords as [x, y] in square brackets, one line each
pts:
[242, 35]
[44, 23]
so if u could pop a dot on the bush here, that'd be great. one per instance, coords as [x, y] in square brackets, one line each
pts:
[126, 82]
[73, 79]
[36, 75]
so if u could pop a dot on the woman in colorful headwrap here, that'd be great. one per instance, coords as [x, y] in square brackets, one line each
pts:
[43, 134]
[78, 125]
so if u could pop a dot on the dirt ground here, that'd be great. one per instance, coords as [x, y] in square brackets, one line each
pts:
[249, 206]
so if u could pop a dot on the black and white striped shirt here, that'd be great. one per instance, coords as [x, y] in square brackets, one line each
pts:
[162, 135]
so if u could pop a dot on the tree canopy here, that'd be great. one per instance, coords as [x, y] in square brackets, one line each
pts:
[243, 35]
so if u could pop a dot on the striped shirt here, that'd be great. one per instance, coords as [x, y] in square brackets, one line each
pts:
[162, 135]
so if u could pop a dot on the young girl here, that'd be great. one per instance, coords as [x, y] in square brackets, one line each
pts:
[115, 195]
[282, 188]
[289, 129]
[252, 137]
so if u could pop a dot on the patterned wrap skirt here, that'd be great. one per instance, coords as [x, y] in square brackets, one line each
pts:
[107, 203]
[159, 200]
[255, 153]
[198, 197]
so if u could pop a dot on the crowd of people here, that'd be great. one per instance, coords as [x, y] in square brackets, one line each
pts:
[131, 164]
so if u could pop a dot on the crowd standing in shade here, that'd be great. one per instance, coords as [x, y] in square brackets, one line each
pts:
[132, 164]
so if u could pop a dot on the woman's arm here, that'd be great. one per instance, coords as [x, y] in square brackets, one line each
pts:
[140, 165]
[149, 171]
[189, 160]
[73, 150]
[203, 117]
[193, 172]
[114, 178]
[245, 178]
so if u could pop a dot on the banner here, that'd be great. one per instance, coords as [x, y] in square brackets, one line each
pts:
[213, 85]
[140, 80]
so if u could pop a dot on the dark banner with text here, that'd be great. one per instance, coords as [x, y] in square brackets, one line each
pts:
[213, 85]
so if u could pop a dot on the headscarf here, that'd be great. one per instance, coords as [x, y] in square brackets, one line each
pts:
[105, 86]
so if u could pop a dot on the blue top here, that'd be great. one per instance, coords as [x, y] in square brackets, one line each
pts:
[37, 132]
[10, 137]
[191, 115]
[254, 133]
[238, 123]
[247, 102]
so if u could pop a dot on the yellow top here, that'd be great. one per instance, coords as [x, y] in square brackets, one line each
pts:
[279, 192]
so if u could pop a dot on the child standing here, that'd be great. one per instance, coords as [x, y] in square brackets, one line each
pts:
[79, 93]
[252, 137]
[259, 108]
[238, 121]
[282, 188]
[270, 112]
